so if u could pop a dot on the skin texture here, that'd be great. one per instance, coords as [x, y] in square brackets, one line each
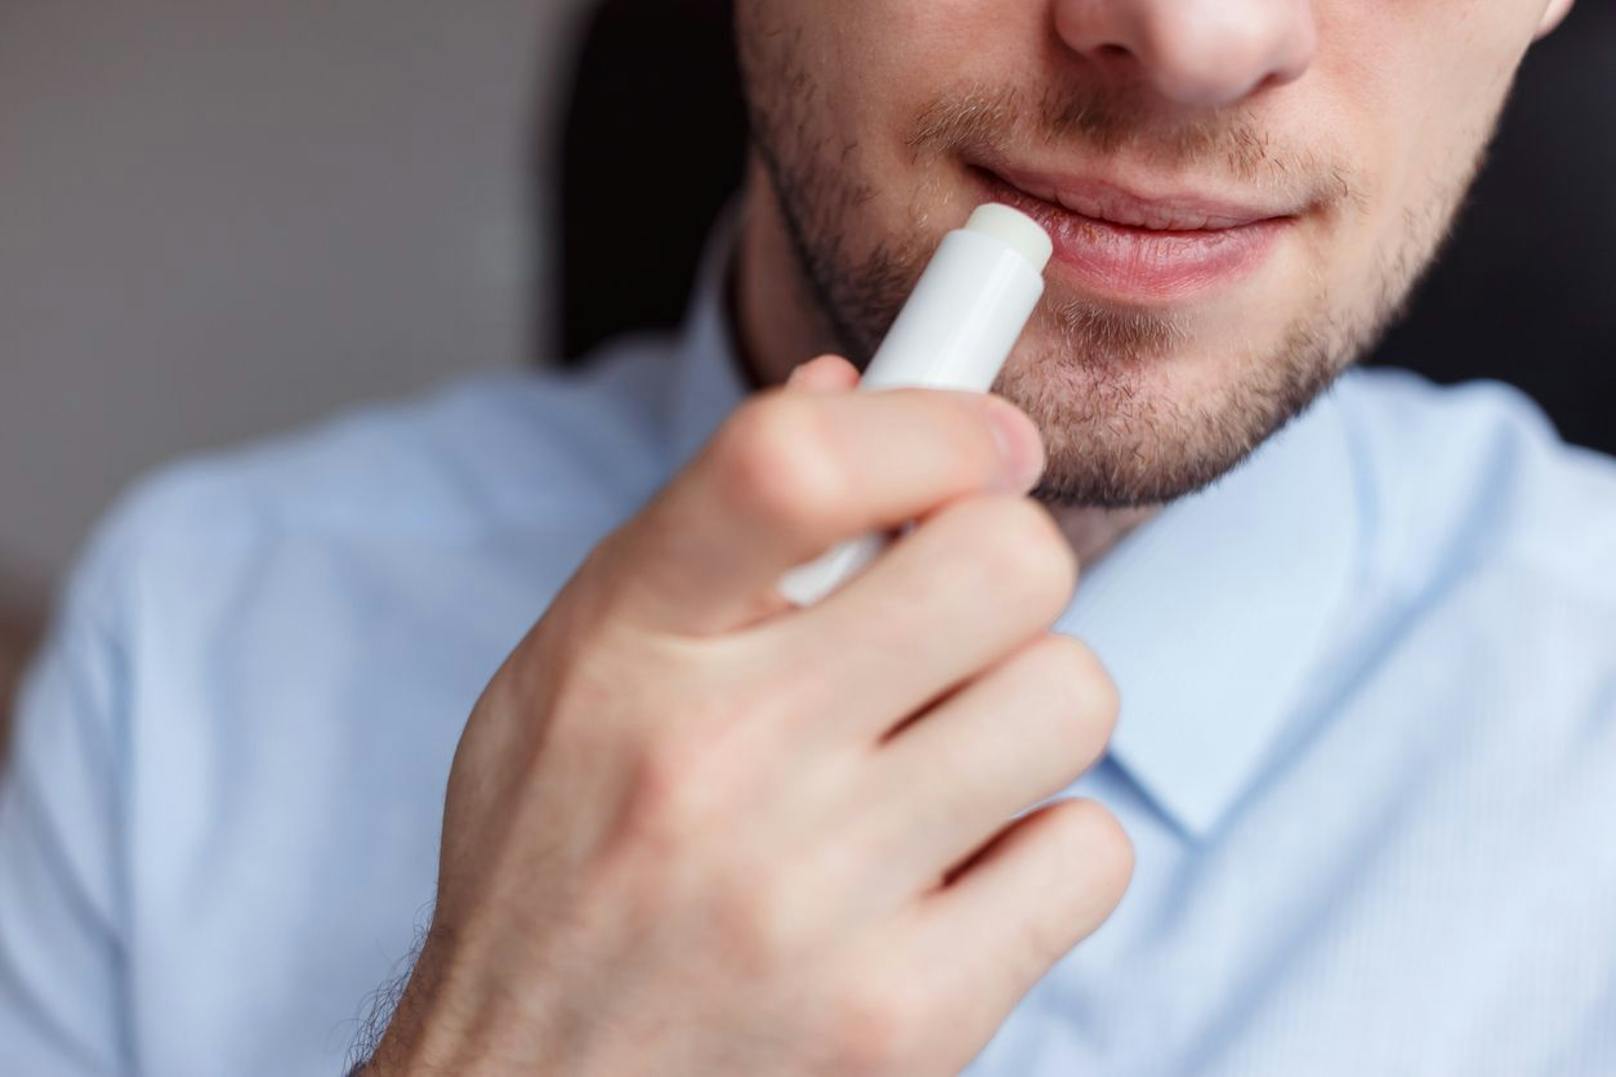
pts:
[866, 116]
[691, 830]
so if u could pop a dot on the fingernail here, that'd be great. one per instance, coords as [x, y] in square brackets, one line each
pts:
[1020, 445]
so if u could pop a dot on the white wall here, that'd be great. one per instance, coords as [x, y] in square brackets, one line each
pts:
[222, 217]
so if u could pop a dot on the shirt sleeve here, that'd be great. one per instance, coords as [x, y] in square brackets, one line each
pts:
[61, 1001]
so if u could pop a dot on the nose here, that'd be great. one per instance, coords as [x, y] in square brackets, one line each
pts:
[1194, 52]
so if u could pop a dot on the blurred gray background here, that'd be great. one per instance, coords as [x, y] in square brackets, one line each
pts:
[219, 218]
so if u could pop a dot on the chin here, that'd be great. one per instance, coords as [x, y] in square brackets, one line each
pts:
[1153, 414]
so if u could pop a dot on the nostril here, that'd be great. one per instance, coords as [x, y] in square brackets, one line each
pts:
[1205, 53]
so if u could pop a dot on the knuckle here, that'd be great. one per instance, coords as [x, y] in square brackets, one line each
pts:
[964, 437]
[1087, 690]
[669, 808]
[1101, 846]
[1047, 679]
[874, 1031]
[759, 921]
[1105, 699]
[775, 455]
[1027, 553]
[1087, 861]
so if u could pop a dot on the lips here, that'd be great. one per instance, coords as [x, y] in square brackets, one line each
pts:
[1114, 244]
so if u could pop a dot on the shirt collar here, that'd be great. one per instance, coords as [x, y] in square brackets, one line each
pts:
[1211, 617]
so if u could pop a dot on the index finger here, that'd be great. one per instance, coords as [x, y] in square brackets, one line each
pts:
[788, 476]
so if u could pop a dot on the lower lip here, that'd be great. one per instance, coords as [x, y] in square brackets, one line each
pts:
[1142, 265]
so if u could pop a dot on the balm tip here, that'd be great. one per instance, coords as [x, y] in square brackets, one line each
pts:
[1014, 228]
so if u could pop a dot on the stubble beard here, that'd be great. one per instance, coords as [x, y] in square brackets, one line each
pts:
[1082, 370]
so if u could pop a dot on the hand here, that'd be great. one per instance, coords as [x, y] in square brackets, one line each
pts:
[691, 830]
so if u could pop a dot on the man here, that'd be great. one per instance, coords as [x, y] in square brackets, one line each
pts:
[1365, 674]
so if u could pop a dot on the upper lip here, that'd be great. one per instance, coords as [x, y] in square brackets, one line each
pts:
[1101, 200]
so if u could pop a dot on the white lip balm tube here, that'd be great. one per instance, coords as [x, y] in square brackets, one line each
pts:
[955, 332]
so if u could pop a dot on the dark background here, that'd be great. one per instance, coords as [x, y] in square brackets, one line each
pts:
[1526, 292]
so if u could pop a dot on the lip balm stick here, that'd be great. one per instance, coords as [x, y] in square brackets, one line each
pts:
[955, 332]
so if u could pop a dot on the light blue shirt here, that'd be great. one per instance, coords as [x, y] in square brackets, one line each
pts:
[1367, 751]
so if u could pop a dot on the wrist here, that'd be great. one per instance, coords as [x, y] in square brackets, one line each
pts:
[447, 1020]
[401, 1035]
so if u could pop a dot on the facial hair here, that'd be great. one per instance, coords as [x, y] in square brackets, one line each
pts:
[1082, 371]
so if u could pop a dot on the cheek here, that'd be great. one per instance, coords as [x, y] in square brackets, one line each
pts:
[872, 68]
[909, 54]
[1413, 88]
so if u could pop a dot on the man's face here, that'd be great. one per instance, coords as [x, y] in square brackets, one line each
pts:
[1242, 192]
